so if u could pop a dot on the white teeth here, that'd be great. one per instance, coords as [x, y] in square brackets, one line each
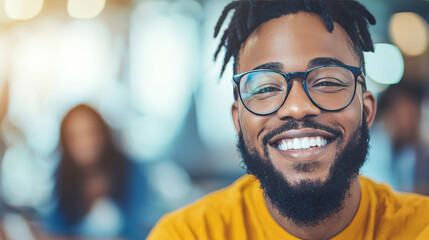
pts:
[283, 146]
[289, 144]
[312, 142]
[324, 142]
[302, 143]
[318, 142]
[305, 143]
[296, 143]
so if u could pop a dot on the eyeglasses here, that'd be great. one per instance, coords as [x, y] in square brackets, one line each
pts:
[329, 87]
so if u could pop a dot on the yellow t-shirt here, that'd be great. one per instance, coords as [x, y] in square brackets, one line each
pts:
[239, 212]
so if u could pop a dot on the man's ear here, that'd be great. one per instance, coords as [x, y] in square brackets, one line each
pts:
[370, 107]
[234, 113]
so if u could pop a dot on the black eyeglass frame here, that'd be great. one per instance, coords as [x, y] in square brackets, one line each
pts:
[357, 71]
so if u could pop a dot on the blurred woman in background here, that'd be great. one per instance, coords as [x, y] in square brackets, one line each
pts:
[404, 160]
[95, 189]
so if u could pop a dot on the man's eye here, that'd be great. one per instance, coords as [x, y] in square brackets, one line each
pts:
[265, 90]
[329, 82]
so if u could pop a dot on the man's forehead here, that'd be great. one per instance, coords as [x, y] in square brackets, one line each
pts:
[295, 37]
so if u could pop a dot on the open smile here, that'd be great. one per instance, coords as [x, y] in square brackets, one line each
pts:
[304, 144]
[301, 143]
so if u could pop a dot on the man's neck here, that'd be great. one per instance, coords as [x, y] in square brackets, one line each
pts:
[330, 227]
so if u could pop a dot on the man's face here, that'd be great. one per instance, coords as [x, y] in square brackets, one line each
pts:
[293, 41]
[306, 185]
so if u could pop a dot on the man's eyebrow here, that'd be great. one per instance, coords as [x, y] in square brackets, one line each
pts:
[271, 65]
[311, 64]
[323, 61]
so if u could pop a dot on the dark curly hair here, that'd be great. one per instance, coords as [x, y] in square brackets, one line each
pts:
[249, 14]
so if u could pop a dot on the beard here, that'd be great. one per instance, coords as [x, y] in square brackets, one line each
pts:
[308, 203]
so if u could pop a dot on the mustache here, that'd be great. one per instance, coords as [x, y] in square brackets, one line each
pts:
[294, 124]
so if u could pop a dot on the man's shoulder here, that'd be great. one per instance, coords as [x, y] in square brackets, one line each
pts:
[213, 212]
[385, 214]
[406, 210]
[384, 194]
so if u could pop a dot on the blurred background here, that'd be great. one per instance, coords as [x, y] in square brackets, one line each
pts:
[140, 77]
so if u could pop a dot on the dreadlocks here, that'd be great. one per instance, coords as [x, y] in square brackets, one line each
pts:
[248, 15]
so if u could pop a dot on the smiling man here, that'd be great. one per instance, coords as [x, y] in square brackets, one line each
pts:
[302, 114]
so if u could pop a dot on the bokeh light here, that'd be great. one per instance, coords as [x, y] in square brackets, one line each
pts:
[22, 9]
[85, 9]
[385, 65]
[409, 31]
[162, 72]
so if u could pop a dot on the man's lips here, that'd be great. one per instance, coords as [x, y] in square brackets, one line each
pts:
[301, 139]
[301, 143]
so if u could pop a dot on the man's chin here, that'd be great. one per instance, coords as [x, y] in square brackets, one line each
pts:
[299, 180]
[296, 172]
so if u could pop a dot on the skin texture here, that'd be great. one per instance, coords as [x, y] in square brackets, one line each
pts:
[293, 41]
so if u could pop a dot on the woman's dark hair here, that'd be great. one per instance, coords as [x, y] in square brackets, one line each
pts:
[249, 14]
[69, 175]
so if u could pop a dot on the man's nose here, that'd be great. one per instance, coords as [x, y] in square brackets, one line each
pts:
[297, 105]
